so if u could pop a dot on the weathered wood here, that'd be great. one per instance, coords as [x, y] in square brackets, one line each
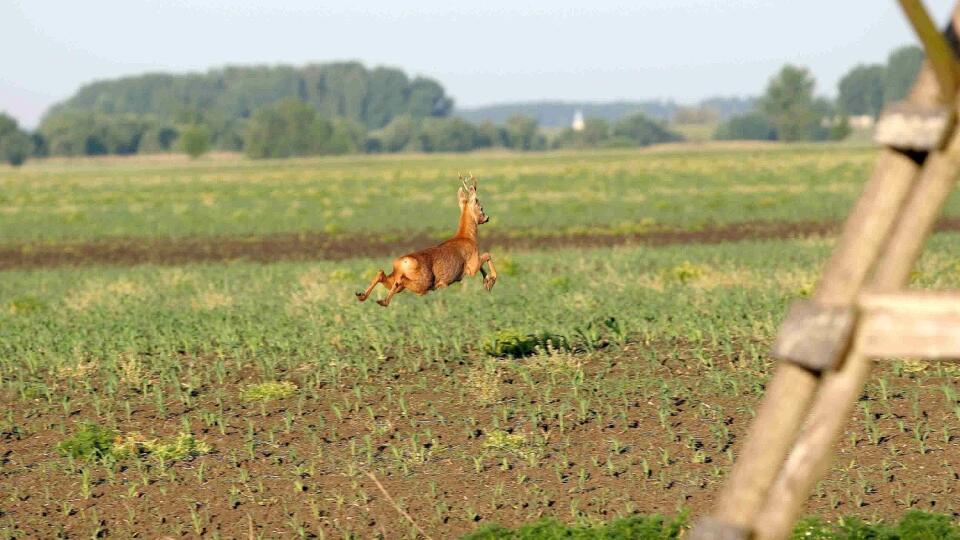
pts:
[911, 127]
[912, 324]
[938, 51]
[708, 528]
[838, 390]
[814, 335]
[788, 394]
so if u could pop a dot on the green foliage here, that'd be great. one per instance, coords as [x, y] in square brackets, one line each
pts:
[90, 133]
[515, 344]
[903, 64]
[288, 128]
[595, 132]
[751, 126]
[269, 391]
[789, 103]
[195, 141]
[95, 442]
[861, 90]
[448, 135]
[158, 139]
[25, 305]
[641, 131]
[15, 144]
[645, 527]
[371, 97]
[183, 446]
[522, 134]
[91, 441]
[915, 525]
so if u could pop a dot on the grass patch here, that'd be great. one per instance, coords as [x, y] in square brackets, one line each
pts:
[95, 442]
[915, 525]
[183, 446]
[269, 391]
[515, 344]
[90, 442]
[645, 527]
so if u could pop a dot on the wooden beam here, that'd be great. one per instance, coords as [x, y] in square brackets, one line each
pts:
[786, 401]
[938, 51]
[839, 389]
[920, 324]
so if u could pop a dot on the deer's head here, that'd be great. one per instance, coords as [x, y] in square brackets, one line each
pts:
[469, 202]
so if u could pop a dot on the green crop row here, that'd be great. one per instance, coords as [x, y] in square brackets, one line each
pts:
[606, 192]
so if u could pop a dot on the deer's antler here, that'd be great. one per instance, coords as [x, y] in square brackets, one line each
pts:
[465, 179]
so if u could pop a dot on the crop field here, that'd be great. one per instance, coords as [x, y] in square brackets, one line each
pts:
[181, 353]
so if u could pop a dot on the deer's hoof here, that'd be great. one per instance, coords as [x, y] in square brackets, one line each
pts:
[360, 296]
[383, 303]
[489, 282]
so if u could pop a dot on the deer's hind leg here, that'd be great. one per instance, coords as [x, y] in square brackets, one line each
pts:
[405, 271]
[381, 277]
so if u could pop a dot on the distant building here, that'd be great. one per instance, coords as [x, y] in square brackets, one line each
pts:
[856, 121]
[862, 121]
[577, 124]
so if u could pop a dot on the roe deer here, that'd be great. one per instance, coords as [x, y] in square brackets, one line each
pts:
[439, 266]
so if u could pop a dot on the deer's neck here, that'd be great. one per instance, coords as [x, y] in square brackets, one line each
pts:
[467, 227]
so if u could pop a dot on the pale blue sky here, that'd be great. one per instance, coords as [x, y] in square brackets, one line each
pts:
[482, 51]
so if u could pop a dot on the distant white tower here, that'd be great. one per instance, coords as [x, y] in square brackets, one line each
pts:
[577, 124]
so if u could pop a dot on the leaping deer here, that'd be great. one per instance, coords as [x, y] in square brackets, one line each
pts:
[439, 266]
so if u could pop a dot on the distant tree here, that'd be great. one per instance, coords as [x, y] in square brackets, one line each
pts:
[88, 133]
[158, 139]
[642, 131]
[861, 90]
[751, 126]
[492, 135]
[695, 115]
[448, 135]
[39, 144]
[841, 130]
[398, 135]
[903, 64]
[426, 98]
[594, 133]
[15, 144]
[289, 128]
[225, 99]
[789, 102]
[346, 137]
[523, 134]
[195, 140]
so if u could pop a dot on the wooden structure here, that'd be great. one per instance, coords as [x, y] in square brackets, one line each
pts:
[860, 310]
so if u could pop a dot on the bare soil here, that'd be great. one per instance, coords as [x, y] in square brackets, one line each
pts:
[126, 251]
[299, 462]
[318, 246]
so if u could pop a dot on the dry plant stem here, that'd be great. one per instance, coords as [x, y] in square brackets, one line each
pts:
[783, 407]
[397, 506]
[836, 398]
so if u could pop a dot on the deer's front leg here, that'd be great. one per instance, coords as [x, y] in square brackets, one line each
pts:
[488, 281]
[361, 296]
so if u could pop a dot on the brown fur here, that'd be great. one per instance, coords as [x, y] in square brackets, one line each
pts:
[443, 264]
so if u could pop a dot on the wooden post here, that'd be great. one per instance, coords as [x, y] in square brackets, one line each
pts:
[890, 199]
[836, 398]
[786, 401]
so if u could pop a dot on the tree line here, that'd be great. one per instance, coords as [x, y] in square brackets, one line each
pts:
[341, 108]
[790, 111]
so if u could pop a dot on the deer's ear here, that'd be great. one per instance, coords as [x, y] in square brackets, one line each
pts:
[462, 196]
